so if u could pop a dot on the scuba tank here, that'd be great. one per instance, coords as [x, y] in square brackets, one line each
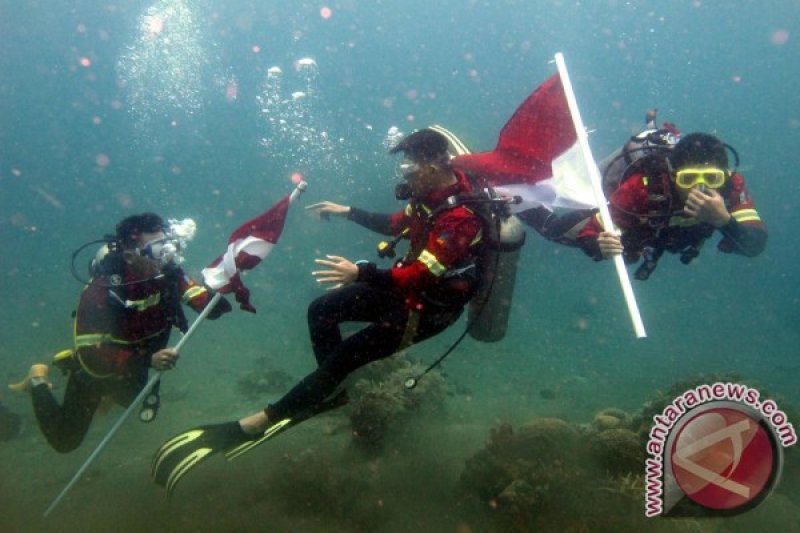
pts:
[490, 307]
[503, 236]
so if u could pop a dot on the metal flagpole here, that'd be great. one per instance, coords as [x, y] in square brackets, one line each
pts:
[594, 175]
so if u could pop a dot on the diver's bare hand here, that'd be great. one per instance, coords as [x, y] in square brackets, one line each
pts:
[325, 209]
[707, 206]
[342, 271]
[610, 244]
[164, 359]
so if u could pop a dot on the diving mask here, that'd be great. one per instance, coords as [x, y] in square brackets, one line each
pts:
[168, 249]
[407, 168]
[713, 178]
[164, 250]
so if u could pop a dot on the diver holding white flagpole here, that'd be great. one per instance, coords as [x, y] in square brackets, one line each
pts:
[602, 204]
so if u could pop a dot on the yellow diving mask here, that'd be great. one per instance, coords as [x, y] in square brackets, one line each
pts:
[711, 177]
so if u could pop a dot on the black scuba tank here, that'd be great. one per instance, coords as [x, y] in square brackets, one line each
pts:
[490, 307]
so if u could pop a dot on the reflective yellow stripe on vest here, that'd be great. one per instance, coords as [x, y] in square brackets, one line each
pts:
[139, 305]
[433, 264]
[92, 339]
[745, 215]
[683, 221]
[477, 238]
[191, 292]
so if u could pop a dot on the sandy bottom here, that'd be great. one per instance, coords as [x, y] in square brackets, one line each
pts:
[310, 479]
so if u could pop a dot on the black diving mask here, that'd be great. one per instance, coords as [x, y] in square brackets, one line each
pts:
[407, 168]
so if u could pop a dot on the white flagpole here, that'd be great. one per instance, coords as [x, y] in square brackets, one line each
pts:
[594, 175]
[299, 189]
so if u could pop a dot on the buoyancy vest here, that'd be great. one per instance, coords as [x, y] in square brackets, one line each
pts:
[118, 326]
[491, 272]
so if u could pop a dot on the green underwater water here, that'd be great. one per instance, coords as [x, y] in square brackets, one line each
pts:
[140, 129]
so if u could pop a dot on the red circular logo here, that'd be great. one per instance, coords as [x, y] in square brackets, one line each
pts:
[723, 458]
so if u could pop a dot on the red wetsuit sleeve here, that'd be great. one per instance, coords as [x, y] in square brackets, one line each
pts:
[745, 233]
[625, 204]
[448, 242]
[197, 297]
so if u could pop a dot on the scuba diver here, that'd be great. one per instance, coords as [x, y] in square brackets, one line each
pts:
[672, 200]
[420, 296]
[564, 225]
[122, 325]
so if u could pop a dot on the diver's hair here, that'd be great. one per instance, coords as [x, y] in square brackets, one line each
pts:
[129, 228]
[699, 149]
[424, 146]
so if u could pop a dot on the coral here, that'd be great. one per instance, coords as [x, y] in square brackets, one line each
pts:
[611, 418]
[550, 475]
[616, 451]
[520, 496]
[538, 453]
[545, 440]
[540, 477]
[373, 411]
[631, 483]
[487, 476]
[380, 399]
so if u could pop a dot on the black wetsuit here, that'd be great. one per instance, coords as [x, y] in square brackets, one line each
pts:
[387, 315]
[433, 282]
[64, 426]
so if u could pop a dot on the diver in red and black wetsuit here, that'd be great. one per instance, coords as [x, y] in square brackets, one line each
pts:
[417, 298]
[122, 326]
[674, 203]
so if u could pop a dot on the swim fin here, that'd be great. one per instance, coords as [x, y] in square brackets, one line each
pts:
[333, 402]
[177, 456]
[184, 451]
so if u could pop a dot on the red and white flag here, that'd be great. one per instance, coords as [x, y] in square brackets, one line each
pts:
[537, 156]
[247, 246]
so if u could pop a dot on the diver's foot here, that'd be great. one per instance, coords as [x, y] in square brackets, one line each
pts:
[37, 375]
[255, 424]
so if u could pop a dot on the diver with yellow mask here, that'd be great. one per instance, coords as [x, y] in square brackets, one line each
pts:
[673, 201]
